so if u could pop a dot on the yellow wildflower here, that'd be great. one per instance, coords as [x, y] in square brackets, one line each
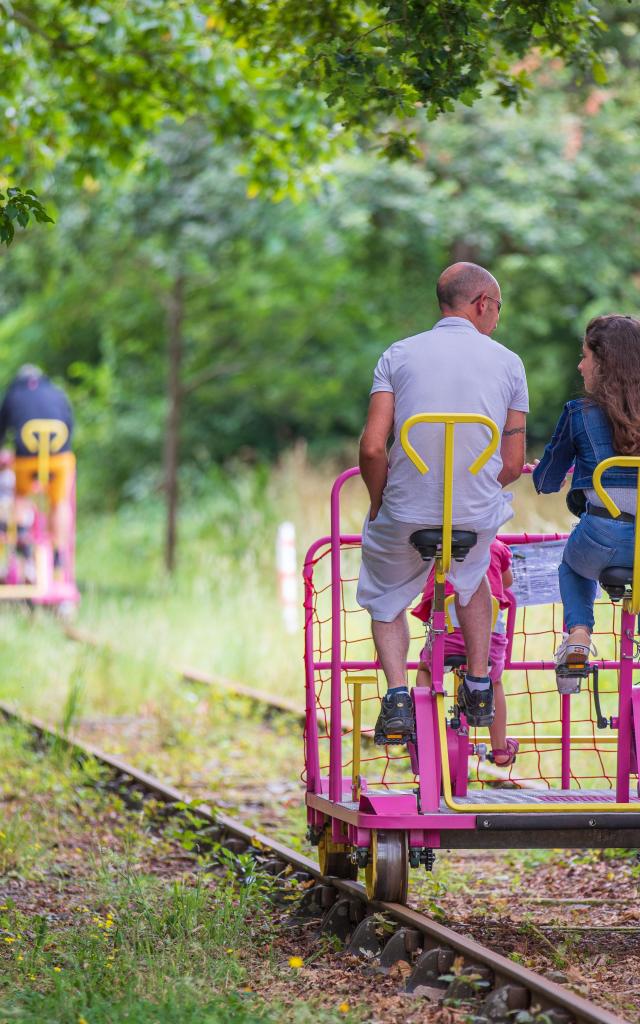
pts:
[20, 956]
[8, 938]
[57, 969]
[343, 1008]
[296, 961]
[82, 1020]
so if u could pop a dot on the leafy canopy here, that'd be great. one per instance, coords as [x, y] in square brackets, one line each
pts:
[379, 59]
[87, 83]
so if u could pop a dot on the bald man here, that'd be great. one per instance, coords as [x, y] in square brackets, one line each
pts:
[455, 367]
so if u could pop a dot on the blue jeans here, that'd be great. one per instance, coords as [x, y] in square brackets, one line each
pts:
[594, 545]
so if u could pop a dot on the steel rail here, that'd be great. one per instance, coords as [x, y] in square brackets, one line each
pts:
[581, 1010]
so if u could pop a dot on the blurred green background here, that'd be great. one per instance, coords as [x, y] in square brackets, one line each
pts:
[283, 307]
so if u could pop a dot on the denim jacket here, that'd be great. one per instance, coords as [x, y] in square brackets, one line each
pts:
[582, 437]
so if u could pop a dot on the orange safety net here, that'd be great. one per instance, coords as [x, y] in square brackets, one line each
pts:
[533, 702]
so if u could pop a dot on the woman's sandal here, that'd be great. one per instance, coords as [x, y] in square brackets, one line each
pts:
[509, 752]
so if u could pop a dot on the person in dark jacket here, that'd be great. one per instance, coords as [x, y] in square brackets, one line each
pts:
[32, 397]
[604, 423]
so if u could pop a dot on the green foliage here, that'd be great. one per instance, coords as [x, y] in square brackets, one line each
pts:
[389, 59]
[87, 83]
[288, 306]
[17, 207]
[286, 82]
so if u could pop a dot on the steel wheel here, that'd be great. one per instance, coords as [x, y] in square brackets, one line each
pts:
[387, 873]
[334, 858]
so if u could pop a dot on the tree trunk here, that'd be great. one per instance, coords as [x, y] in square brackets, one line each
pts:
[175, 315]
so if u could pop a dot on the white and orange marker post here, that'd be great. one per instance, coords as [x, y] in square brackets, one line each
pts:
[287, 575]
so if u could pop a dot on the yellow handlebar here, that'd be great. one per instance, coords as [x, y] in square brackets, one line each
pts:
[44, 438]
[449, 420]
[622, 462]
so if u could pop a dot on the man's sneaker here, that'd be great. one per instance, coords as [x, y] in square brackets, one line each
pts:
[395, 723]
[572, 664]
[477, 705]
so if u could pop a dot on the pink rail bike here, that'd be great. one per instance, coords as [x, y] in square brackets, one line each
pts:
[386, 809]
[36, 580]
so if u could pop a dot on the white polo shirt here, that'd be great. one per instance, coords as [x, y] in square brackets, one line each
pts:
[452, 368]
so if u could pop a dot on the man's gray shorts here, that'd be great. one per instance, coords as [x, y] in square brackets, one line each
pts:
[393, 573]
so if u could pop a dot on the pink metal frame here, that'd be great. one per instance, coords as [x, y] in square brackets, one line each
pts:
[51, 591]
[400, 810]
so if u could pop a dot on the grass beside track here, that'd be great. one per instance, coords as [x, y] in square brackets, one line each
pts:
[102, 921]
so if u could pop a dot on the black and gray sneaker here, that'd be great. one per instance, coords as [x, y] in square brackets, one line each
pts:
[396, 723]
[477, 705]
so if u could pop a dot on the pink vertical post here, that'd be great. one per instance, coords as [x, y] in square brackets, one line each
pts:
[635, 730]
[311, 720]
[70, 561]
[428, 753]
[565, 718]
[511, 627]
[428, 736]
[624, 706]
[335, 726]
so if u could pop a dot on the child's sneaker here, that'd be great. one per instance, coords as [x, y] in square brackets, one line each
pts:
[396, 722]
[477, 704]
[572, 664]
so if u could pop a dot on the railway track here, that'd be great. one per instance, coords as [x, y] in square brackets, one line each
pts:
[440, 962]
[270, 703]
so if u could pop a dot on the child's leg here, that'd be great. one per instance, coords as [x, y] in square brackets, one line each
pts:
[498, 731]
[423, 675]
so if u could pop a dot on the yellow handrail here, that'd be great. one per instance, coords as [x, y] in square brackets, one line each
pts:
[622, 462]
[449, 420]
[357, 682]
[44, 438]
[546, 807]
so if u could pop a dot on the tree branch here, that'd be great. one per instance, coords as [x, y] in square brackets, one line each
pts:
[208, 374]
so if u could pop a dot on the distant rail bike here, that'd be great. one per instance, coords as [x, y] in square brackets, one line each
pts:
[28, 569]
[386, 809]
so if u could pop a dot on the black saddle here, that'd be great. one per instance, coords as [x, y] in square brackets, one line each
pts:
[428, 543]
[616, 579]
[452, 661]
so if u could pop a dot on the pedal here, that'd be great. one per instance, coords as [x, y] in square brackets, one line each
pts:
[394, 739]
[568, 677]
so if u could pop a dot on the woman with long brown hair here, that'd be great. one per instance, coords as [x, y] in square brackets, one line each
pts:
[605, 422]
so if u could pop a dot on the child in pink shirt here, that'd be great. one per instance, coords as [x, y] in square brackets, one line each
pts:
[500, 577]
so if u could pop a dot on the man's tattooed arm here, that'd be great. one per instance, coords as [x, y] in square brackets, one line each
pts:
[516, 430]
